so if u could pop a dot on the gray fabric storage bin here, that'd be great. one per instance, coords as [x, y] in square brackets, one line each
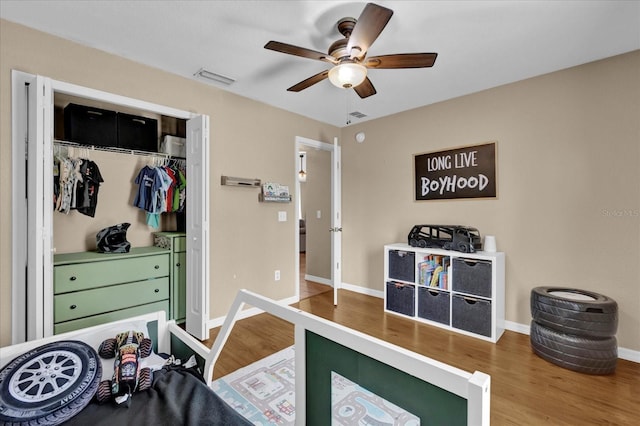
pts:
[471, 276]
[433, 305]
[402, 265]
[471, 314]
[401, 298]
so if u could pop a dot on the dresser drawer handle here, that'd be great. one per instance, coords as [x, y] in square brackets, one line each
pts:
[73, 306]
[178, 264]
[157, 267]
[72, 278]
[157, 290]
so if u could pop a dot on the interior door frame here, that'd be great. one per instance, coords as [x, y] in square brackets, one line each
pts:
[24, 239]
[336, 213]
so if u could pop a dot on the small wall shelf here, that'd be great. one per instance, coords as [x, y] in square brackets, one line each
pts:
[273, 199]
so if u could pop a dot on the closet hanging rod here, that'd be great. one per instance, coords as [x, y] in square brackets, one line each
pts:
[114, 149]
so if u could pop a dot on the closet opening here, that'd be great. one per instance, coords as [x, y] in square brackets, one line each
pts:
[61, 280]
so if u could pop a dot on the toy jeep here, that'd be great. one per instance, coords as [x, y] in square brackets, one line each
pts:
[128, 376]
[449, 237]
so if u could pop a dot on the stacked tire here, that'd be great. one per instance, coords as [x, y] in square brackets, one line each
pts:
[575, 329]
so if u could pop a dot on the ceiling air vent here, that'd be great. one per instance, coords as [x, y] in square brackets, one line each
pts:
[212, 76]
[357, 114]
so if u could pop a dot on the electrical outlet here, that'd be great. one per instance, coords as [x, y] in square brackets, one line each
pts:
[276, 275]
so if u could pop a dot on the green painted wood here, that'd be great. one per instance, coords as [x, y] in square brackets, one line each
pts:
[110, 316]
[82, 276]
[179, 301]
[180, 244]
[433, 405]
[80, 304]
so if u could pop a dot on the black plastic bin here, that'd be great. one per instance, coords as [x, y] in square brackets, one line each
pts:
[472, 276]
[401, 298]
[138, 133]
[471, 314]
[433, 305]
[402, 265]
[90, 126]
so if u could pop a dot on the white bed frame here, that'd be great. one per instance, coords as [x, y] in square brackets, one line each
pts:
[475, 388]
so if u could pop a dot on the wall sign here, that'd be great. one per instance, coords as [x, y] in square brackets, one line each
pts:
[468, 172]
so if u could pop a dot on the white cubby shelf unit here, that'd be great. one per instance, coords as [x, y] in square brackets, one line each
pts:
[461, 292]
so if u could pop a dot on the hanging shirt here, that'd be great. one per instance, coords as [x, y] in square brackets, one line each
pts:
[87, 196]
[148, 182]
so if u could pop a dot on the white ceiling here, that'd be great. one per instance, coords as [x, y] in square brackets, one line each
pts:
[480, 44]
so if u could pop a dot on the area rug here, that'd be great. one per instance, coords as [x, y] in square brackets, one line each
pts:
[264, 393]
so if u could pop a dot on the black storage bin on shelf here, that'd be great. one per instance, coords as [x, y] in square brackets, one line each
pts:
[472, 276]
[433, 305]
[138, 133]
[90, 126]
[401, 298]
[471, 314]
[402, 265]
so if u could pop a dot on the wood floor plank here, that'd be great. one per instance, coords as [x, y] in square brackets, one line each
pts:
[525, 389]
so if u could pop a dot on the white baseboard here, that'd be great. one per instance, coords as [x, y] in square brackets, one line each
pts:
[362, 290]
[318, 280]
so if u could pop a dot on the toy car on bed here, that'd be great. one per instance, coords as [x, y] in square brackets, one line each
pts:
[127, 348]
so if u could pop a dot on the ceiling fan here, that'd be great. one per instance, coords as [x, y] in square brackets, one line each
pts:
[348, 55]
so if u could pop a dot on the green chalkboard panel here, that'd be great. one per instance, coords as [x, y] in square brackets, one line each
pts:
[433, 405]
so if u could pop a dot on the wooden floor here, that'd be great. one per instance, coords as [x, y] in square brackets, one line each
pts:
[525, 389]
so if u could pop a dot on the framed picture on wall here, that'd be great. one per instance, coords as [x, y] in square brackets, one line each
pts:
[466, 172]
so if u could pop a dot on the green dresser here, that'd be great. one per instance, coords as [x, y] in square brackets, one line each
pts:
[91, 288]
[176, 243]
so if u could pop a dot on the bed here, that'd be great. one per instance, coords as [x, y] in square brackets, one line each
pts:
[431, 391]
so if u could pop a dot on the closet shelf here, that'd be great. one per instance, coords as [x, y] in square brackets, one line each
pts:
[113, 149]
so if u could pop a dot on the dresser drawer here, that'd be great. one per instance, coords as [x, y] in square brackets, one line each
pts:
[63, 327]
[83, 276]
[96, 301]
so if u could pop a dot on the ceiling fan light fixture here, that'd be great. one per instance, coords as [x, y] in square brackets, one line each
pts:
[347, 75]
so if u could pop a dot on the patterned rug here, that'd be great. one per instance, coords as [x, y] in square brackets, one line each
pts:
[263, 392]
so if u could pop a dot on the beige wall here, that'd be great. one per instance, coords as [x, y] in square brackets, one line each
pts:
[568, 206]
[247, 241]
[316, 196]
[567, 213]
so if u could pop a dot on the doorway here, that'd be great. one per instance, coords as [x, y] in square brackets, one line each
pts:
[317, 214]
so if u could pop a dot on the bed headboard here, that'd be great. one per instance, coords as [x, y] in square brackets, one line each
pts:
[433, 391]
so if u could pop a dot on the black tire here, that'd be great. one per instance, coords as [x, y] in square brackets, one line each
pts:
[145, 379]
[596, 316]
[104, 391]
[577, 353]
[107, 349]
[413, 242]
[146, 346]
[49, 384]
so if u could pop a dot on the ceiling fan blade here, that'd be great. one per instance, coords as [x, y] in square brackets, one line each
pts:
[299, 51]
[368, 27]
[365, 89]
[401, 60]
[309, 81]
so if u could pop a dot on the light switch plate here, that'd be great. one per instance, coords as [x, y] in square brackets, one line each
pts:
[282, 216]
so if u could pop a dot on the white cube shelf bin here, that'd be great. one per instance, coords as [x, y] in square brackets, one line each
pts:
[461, 292]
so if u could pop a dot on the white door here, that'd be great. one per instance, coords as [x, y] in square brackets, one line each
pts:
[198, 282]
[336, 219]
[32, 238]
